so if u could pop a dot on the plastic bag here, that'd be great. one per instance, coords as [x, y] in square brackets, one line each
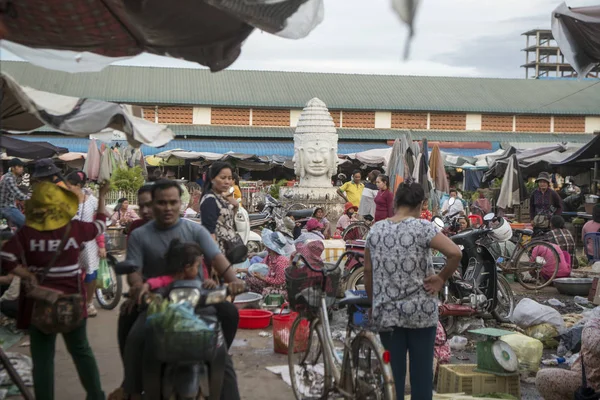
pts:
[458, 343]
[528, 350]
[545, 333]
[530, 313]
[103, 279]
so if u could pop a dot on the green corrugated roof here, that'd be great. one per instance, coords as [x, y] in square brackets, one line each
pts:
[153, 85]
[251, 132]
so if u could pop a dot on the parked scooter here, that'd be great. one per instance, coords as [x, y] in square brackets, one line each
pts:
[273, 213]
[187, 372]
[476, 289]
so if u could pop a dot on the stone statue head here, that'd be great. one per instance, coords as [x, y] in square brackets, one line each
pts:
[315, 146]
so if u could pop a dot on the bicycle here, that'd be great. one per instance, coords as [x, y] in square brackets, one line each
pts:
[316, 368]
[357, 230]
[522, 260]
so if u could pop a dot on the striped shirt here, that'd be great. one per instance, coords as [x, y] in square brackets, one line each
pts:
[38, 248]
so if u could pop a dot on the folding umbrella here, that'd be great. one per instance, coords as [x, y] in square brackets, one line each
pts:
[512, 190]
[438, 171]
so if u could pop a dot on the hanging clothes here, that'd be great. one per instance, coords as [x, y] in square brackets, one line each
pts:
[105, 166]
[92, 162]
[472, 179]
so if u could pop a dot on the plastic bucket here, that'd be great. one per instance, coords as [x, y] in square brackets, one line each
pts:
[282, 325]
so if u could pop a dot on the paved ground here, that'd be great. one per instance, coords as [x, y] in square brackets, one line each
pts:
[251, 354]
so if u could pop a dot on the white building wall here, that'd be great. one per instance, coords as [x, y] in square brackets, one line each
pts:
[201, 116]
[294, 117]
[473, 122]
[383, 119]
[592, 124]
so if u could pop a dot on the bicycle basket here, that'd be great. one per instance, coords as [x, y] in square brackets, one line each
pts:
[171, 346]
[115, 240]
[304, 287]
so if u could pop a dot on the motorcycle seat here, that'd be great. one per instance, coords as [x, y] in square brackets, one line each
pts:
[355, 301]
[439, 261]
[298, 214]
[526, 232]
[257, 216]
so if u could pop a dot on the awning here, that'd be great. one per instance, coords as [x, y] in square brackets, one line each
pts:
[577, 32]
[27, 149]
[210, 32]
[582, 160]
[24, 109]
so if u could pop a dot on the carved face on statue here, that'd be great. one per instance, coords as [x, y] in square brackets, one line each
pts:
[315, 146]
[315, 161]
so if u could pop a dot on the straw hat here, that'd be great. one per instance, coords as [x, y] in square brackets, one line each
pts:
[50, 207]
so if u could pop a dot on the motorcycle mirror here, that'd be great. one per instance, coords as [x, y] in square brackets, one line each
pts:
[451, 201]
[438, 222]
[125, 268]
[488, 217]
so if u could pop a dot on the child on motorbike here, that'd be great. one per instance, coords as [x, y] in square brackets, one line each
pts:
[183, 260]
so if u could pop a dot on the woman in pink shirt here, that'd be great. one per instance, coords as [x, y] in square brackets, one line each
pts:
[590, 227]
[384, 201]
[564, 267]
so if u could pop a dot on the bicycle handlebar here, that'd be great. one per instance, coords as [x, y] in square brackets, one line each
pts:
[323, 270]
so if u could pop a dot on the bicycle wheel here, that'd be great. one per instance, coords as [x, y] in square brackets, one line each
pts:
[305, 359]
[373, 379]
[529, 269]
[506, 300]
[356, 231]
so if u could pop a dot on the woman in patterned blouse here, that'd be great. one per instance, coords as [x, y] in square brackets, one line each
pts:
[403, 286]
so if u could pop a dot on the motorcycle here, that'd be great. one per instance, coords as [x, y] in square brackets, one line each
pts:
[192, 372]
[116, 246]
[273, 212]
[476, 289]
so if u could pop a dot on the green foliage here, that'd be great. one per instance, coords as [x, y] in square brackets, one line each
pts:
[496, 183]
[531, 186]
[127, 179]
[274, 190]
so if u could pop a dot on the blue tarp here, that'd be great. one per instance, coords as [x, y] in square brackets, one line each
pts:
[284, 148]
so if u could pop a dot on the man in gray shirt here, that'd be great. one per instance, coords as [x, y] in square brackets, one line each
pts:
[146, 248]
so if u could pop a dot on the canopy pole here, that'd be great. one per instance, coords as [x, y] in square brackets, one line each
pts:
[596, 166]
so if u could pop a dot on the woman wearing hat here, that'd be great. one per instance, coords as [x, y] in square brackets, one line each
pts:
[347, 218]
[34, 249]
[544, 203]
[314, 231]
[278, 259]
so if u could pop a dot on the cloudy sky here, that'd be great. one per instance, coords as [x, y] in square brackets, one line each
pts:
[456, 38]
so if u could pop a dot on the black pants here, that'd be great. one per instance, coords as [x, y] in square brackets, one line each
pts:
[419, 344]
[131, 331]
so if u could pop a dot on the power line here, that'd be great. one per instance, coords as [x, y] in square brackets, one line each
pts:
[562, 98]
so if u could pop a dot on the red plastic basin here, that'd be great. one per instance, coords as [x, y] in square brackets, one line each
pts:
[254, 319]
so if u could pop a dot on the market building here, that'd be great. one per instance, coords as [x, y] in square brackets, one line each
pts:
[255, 112]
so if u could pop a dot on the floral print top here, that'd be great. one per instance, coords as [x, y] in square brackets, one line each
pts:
[401, 260]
